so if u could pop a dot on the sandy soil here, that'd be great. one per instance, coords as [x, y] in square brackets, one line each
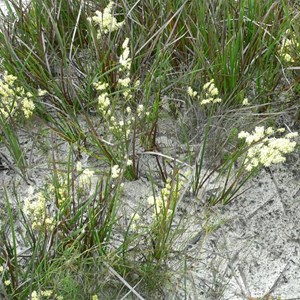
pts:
[249, 248]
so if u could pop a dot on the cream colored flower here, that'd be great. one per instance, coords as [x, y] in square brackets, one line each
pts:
[211, 93]
[41, 93]
[125, 60]
[27, 107]
[106, 20]
[191, 92]
[281, 130]
[206, 85]
[129, 162]
[264, 149]
[124, 82]
[7, 282]
[289, 46]
[47, 293]
[246, 102]
[36, 211]
[85, 177]
[35, 296]
[79, 166]
[292, 135]
[100, 86]
[136, 217]
[115, 171]
[103, 101]
[140, 110]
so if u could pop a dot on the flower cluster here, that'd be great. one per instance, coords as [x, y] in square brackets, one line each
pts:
[124, 80]
[85, 175]
[7, 92]
[120, 128]
[106, 21]
[288, 46]
[191, 92]
[60, 190]
[28, 105]
[211, 93]
[103, 99]
[7, 282]
[35, 207]
[119, 118]
[115, 171]
[245, 102]
[125, 61]
[120, 125]
[14, 98]
[82, 185]
[170, 193]
[265, 149]
[40, 212]
[43, 294]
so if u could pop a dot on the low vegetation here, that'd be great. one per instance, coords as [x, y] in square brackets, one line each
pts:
[93, 86]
